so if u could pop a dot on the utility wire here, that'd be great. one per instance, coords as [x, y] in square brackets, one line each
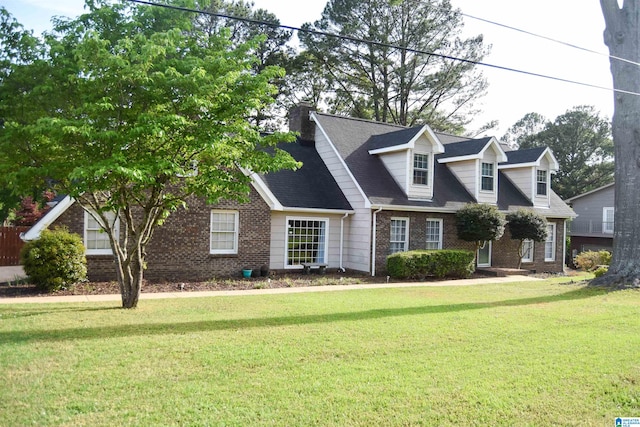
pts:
[550, 39]
[380, 44]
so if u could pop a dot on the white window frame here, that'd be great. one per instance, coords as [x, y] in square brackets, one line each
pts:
[608, 226]
[102, 251]
[235, 232]
[485, 264]
[550, 241]
[545, 182]
[527, 256]
[323, 246]
[425, 170]
[492, 176]
[440, 233]
[405, 242]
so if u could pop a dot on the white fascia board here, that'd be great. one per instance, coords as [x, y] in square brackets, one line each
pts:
[264, 192]
[554, 165]
[34, 232]
[403, 208]
[401, 147]
[501, 155]
[519, 165]
[460, 158]
[438, 147]
[367, 202]
[318, 211]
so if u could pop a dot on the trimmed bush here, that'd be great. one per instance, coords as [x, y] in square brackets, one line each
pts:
[600, 271]
[55, 261]
[438, 263]
[590, 260]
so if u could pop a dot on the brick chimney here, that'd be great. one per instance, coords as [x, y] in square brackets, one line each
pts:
[299, 121]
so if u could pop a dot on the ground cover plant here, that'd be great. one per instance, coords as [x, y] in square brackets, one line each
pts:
[532, 353]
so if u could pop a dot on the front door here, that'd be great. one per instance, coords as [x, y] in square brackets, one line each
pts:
[484, 255]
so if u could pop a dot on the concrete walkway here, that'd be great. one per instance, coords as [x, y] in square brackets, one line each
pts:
[11, 273]
[330, 288]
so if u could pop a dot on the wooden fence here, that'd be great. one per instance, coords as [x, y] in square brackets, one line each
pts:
[10, 245]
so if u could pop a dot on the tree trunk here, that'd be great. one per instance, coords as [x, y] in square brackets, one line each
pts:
[130, 274]
[622, 36]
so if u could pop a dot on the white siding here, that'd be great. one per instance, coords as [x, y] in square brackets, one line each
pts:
[397, 164]
[358, 226]
[279, 237]
[423, 146]
[522, 178]
[488, 196]
[467, 172]
[542, 201]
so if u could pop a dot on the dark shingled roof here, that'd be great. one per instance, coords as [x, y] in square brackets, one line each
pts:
[392, 139]
[529, 155]
[311, 186]
[509, 195]
[465, 148]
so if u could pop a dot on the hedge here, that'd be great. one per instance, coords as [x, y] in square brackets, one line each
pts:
[438, 263]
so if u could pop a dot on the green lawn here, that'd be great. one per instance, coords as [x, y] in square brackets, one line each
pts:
[526, 354]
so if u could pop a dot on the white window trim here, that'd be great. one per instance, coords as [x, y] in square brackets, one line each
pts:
[547, 187]
[553, 241]
[533, 247]
[234, 250]
[439, 220]
[493, 177]
[406, 234]
[286, 238]
[488, 264]
[429, 169]
[604, 219]
[116, 226]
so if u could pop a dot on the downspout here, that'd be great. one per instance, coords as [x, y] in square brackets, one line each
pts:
[564, 245]
[373, 253]
[342, 269]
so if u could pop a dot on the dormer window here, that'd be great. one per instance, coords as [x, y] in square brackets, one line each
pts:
[421, 169]
[487, 177]
[541, 183]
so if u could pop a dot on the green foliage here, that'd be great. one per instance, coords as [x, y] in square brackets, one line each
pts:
[376, 81]
[590, 260]
[54, 261]
[479, 222]
[601, 271]
[526, 224]
[581, 142]
[438, 263]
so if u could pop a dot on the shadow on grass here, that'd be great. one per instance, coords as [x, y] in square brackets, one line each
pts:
[146, 329]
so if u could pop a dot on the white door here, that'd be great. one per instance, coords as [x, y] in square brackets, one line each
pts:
[484, 255]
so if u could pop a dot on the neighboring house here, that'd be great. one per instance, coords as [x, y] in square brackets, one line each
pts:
[593, 228]
[365, 190]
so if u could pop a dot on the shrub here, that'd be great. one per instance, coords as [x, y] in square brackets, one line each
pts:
[590, 260]
[438, 263]
[54, 261]
[601, 270]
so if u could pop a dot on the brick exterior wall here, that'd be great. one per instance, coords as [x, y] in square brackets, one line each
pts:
[179, 249]
[504, 251]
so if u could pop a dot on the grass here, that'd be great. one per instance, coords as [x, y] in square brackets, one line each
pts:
[526, 354]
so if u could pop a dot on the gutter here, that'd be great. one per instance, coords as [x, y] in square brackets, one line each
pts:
[373, 254]
[341, 268]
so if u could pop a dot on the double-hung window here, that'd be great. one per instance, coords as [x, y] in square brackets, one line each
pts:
[487, 177]
[421, 169]
[541, 182]
[607, 220]
[527, 250]
[399, 239]
[550, 243]
[224, 232]
[306, 241]
[96, 240]
[434, 233]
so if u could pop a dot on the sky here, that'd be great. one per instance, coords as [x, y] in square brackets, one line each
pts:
[510, 95]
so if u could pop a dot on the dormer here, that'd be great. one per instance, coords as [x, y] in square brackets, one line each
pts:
[475, 163]
[408, 155]
[531, 171]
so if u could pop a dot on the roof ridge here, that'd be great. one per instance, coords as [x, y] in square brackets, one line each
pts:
[337, 116]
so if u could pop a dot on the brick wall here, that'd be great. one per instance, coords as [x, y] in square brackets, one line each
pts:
[504, 251]
[179, 249]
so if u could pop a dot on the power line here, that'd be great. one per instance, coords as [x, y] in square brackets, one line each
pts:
[381, 44]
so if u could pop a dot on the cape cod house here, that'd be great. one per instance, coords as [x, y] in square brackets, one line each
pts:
[365, 190]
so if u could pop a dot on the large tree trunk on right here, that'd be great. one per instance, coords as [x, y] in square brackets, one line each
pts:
[622, 36]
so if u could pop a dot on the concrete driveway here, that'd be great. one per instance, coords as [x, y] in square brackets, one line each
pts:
[11, 273]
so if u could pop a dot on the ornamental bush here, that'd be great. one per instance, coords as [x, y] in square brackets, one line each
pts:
[438, 263]
[590, 260]
[55, 261]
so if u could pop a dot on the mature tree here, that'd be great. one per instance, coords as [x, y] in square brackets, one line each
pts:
[526, 225]
[581, 142]
[622, 36]
[377, 80]
[524, 130]
[134, 121]
[479, 223]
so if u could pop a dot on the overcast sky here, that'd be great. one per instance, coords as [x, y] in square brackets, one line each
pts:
[510, 95]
